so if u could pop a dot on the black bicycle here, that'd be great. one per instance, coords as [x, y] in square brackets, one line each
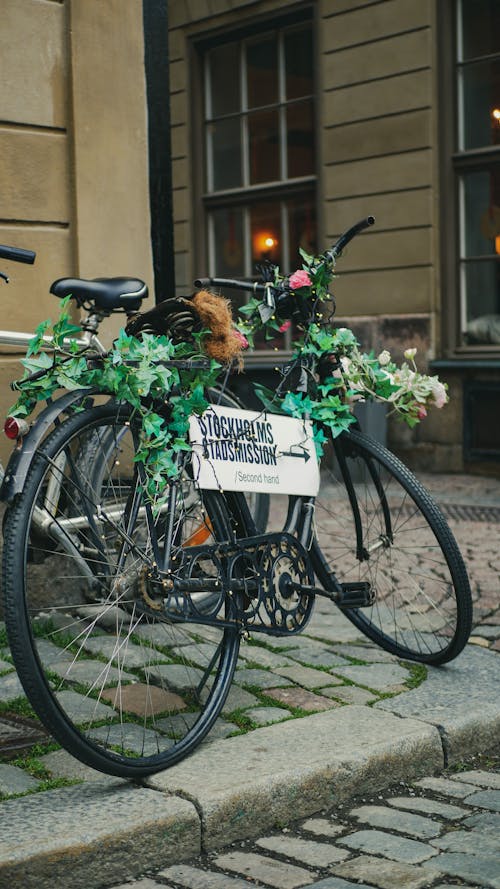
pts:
[125, 618]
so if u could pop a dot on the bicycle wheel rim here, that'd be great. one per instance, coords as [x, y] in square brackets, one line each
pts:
[122, 687]
[399, 544]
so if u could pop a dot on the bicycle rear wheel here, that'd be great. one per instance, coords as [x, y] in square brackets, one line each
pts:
[377, 525]
[124, 681]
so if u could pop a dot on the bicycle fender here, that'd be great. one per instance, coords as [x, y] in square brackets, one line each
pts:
[20, 460]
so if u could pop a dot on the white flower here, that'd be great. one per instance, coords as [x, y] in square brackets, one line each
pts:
[345, 362]
[410, 353]
[439, 394]
[384, 358]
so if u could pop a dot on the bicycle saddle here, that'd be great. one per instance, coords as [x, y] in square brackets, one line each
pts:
[107, 294]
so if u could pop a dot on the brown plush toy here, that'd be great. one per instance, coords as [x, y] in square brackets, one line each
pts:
[179, 318]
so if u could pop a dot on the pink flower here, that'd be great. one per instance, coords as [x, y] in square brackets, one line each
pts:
[241, 339]
[285, 326]
[421, 412]
[299, 279]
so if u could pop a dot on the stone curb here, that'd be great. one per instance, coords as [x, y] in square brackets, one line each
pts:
[230, 789]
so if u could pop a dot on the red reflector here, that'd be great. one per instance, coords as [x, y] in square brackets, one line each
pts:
[15, 428]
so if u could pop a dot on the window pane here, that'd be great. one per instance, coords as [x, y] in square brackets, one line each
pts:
[262, 73]
[481, 212]
[480, 22]
[225, 79]
[481, 283]
[481, 104]
[229, 259]
[265, 229]
[300, 139]
[301, 228]
[226, 153]
[298, 63]
[263, 137]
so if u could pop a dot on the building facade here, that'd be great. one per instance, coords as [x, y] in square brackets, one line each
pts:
[289, 122]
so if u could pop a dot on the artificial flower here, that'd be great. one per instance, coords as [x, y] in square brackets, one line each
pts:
[384, 358]
[299, 279]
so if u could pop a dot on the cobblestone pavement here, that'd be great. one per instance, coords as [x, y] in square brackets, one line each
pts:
[286, 678]
[440, 832]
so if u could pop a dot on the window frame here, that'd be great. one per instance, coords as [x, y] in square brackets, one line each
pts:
[246, 195]
[454, 163]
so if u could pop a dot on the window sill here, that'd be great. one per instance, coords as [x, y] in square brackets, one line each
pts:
[465, 364]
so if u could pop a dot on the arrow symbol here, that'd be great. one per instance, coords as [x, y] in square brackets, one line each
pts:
[303, 455]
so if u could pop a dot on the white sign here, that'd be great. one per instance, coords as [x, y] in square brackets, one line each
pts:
[240, 450]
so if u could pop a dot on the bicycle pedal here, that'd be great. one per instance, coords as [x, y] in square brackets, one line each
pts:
[356, 595]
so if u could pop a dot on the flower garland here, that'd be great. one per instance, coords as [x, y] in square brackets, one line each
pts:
[165, 397]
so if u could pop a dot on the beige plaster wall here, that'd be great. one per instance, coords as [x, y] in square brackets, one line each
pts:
[73, 154]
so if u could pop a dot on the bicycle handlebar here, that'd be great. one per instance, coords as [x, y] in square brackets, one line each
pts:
[329, 256]
[17, 254]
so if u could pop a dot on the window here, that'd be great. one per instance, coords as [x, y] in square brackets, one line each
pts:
[259, 152]
[477, 164]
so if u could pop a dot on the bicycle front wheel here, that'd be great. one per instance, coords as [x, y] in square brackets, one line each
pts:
[118, 671]
[377, 526]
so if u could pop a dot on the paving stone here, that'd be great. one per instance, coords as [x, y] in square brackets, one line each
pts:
[180, 678]
[300, 698]
[6, 667]
[403, 822]
[267, 715]
[193, 878]
[15, 780]
[378, 676]
[221, 729]
[307, 676]
[483, 779]
[306, 851]
[142, 700]
[259, 867]
[488, 822]
[469, 867]
[122, 649]
[445, 787]
[140, 740]
[200, 653]
[365, 653]
[91, 673]
[264, 658]
[10, 688]
[239, 699]
[316, 654]
[383, 874]
[323, 827]
[485, 799]
[337, 883]
[377, 842]
[428, 806]
[350, 694]
[50, 653]
[143, 884]
[470, 842]
[83, 709]
[61, 764]
[109, 617]
[260, 678]
[489, 632]
[165, 635]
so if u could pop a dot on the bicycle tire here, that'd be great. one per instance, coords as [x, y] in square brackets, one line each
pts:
[122, 688]
[406, 552]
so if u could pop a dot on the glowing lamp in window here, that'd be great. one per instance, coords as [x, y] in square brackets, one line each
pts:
[264, 244]
[496, 115]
